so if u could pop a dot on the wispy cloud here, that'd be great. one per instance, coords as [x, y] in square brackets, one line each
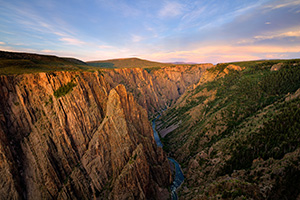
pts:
[47, 51]
[277, 36]
[187, 30]
[224, 53]
[119, 6]
[9, 48]
[207, 14]
[171, 9]
[72, 41]
[136, 38]
[105, 47]
[27, 17]
[283, 4]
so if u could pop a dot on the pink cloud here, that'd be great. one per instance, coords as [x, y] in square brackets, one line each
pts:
[224, 53]
[72, 41]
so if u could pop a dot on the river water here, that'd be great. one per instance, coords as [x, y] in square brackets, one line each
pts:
[178, 179]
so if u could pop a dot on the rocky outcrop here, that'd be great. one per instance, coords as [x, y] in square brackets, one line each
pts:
[277, 67]
[156, 88]
[94, 141]
[232, 67]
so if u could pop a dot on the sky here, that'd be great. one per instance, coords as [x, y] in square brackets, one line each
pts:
[203, 31]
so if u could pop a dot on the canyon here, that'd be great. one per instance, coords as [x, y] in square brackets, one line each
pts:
[82, 135]
[236, 132]
[95, 141]
[77, 131]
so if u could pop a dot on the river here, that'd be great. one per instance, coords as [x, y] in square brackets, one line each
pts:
[179, 178]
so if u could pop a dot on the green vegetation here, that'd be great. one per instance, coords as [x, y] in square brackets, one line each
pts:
[127, 63]
[49, 101]
[21, 63]
[240, 118]
[63, 90]
[274, 139]
[151, 69]
[281, 82]
[106, 65]
[241, 94]
[258, 64]
[133, 158]
[220, 67]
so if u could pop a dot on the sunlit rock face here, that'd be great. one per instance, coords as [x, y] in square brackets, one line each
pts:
[72, 135]
[154, 88]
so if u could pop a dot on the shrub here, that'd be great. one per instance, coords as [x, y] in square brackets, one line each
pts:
[65, 89]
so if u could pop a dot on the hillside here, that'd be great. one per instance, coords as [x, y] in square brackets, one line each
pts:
[236, 133]
[20, 63]
[127, 63]
[25, 63]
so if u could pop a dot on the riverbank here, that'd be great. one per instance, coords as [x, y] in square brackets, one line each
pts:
[178, 178]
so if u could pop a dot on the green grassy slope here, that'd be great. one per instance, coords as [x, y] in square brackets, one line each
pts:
[127, 63]
[239, 133]
[19, 63]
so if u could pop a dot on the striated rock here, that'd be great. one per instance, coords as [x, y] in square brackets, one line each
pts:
[91, 142]
[9, 179]
[156, 88]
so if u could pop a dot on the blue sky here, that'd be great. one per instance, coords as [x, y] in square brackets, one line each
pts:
[161, 30]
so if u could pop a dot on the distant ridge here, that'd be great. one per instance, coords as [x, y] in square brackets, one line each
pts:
[19, 63]
[184, 63]
[126, 63]
[38, 57]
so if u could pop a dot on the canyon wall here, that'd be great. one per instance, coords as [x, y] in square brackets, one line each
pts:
[156, 88]
[73, 135]
[236, 132]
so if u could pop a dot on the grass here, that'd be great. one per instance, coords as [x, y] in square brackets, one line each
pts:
[127, 63]
[151, 69]
[106, 65]
[25, 63]
[264, 63]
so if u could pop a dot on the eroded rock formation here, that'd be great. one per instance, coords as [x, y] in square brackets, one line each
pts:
[155, 88]
[92, 141]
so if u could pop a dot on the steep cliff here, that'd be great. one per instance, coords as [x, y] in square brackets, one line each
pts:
[70, 135]
[156, 88]
[236, 133]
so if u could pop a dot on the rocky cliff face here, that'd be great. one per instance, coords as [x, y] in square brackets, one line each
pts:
[90, 140]
[156, 88]
[236, 133]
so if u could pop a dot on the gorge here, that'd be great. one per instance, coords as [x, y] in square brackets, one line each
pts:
[69, 130]
[178, 174]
